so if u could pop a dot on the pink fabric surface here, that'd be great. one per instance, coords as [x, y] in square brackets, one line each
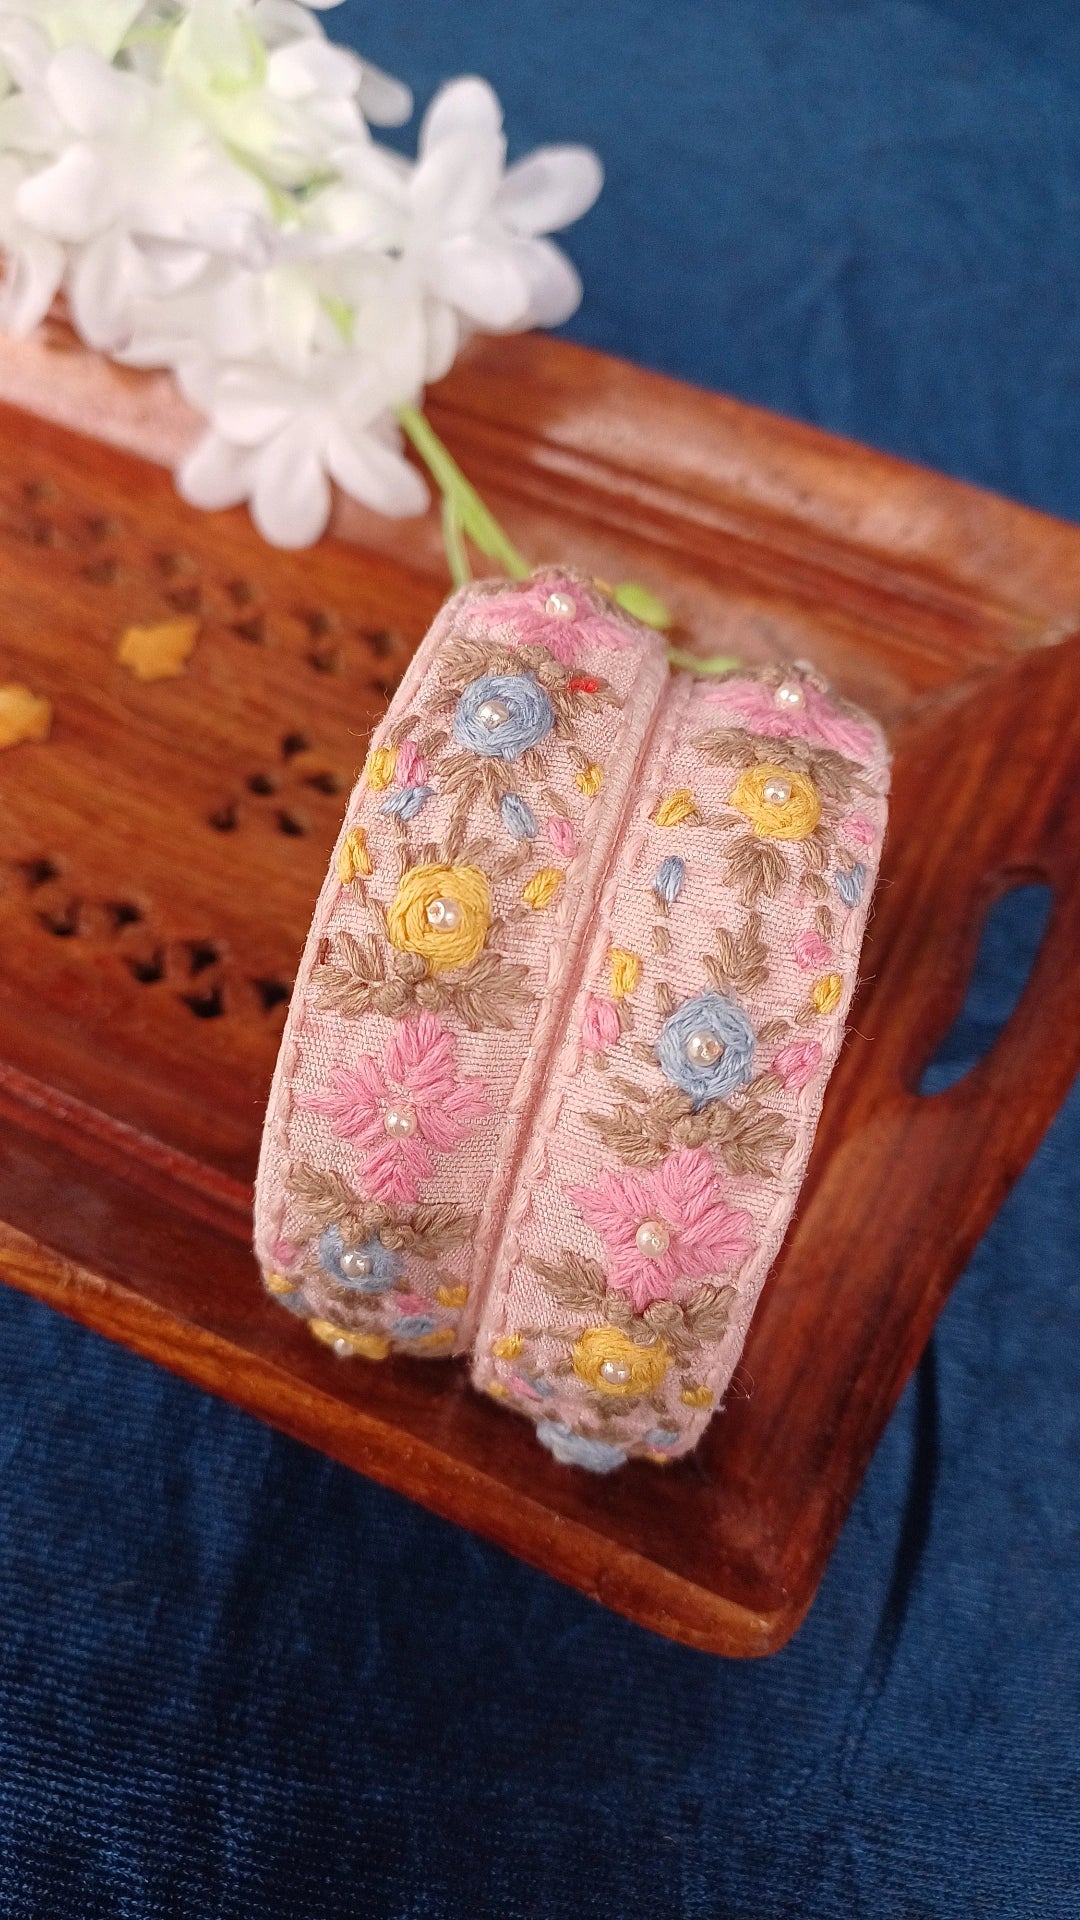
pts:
[657, 865]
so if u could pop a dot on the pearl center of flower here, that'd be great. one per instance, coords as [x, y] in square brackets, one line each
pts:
[400, 1122]
[653, 1238]
[704, 1047]
[789, 695]
[776, 792]
[343, 1348]
[615, 1372]
[444, 915]
[559, 606]
[356, 1265]
[492, 714]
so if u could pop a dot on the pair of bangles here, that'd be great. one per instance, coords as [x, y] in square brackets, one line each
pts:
[561, 1032]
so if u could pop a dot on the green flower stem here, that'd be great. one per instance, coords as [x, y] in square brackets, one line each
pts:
[714, 665]
[464, 515]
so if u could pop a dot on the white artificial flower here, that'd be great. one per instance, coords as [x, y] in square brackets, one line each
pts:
[33, 264]
[277, 442]
[470, 234]
[102, 25]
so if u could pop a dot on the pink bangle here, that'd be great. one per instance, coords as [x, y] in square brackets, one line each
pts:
[562, 1027]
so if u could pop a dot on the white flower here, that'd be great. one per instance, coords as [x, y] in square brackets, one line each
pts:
[278, 442]
[33, 264]
[102, 25]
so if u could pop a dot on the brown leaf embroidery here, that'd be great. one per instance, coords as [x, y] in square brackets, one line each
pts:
[739, 962]
[755, 868]
[574, 1281]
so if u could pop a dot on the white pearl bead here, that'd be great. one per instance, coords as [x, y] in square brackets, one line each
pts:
[400, 1122]
[790, 694]
[493, 714]
[343, 1348]
[704, 1048]
[615, 1372]
[559, 606]
[776, 792]
[652, 1239]
[443, 914]
[356, 1265]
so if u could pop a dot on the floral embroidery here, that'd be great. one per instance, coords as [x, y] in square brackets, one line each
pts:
[540, 891]
[601, 1024]
[517, 816]
[687, 1043]
[850, 883]
[668, 883]
[625, 973]
[441, 913]
[379, 770]
[368, 1267]
[358, 977]
[779, 805]
[400, 1111]
[811, 951]
[797, 1063]
[663, 1227]
[562, 836]
[501, 715]
[860, 829]
[354, 860]
[575, 1450]
[589, 780]
[680, 809]
[825, 993]
[508, 1347]
[346, 1342]
[407, 802]
[560, 615]
[452, 1296]
[785, 704]
[607, 1360]
[411, 769]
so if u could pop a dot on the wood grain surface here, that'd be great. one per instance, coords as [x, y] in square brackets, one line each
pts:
[160, 856]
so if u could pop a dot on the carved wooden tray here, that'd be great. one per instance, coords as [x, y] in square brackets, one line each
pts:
[160, 855]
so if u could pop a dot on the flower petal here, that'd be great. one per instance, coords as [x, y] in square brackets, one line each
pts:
[70, 200]
[549, 188]
[487, 283]
[467, 105]
[375, 474]
[215, 474]
[290, 501]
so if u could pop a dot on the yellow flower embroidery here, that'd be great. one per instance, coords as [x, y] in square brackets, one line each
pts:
[380, 768]
[678, 810]
[540, 891]
[610, 1361]
[825, 993]
[779, 803]
[417, 922]
[696, 1397]
[625, 973]
[590, 780]
[497, 1390]
[440, 1341]
[354, 860]
[451, 1296]
[280, 1283]
[508, 1346]
[366, 1346]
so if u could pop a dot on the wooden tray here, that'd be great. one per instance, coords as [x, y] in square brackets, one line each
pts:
[160, 856]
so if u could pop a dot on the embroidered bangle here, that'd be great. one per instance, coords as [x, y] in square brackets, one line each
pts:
[563, 1024]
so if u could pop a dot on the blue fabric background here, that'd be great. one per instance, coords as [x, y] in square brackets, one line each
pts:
[236, 1680]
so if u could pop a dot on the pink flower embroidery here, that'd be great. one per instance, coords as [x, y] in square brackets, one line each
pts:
[798, 1062]
[811, 951]
[601, 1025]
[411, 1303]
[753, 703]
[411, 769]
[563, 634]
[860, 829]
[698, 1234]
[562, 836]
[402, 1109]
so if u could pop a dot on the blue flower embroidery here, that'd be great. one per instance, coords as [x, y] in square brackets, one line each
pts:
[517, 816]
[712, 1017]
[412, 1326]
[573, 1450]
[385, 1267]
[528, 715]
[407, 802]
[669, 878]
[661, 1437]
[850, 883]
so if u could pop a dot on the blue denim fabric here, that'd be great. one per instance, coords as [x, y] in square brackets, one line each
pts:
[237, 1680]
